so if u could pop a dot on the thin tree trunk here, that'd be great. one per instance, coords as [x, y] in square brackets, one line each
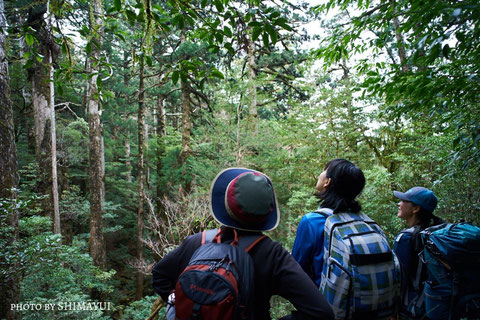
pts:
[8, 174]
[128, 163]
[161, 133]
[252, 87]
[186, 121]
[402, 52]
[141, 191]
[97, 241]
[53, 137]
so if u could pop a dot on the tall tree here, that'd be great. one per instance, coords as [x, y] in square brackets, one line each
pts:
[41, 75]
[186, 113]
[53, 134]
[97, 241]
[141, 170]
[8, 170]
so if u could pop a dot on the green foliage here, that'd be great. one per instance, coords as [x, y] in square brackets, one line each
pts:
[50, 273]
[141, 309]
[437, 78]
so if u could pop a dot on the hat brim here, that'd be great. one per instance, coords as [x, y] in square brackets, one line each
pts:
[401, 195]
[219, 211]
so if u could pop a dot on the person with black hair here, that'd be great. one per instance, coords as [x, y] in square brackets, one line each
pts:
[337, 187]
[344, 251]
[416, 207]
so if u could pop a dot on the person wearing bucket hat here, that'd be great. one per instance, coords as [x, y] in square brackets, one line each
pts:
[243, 202]
[416, 207]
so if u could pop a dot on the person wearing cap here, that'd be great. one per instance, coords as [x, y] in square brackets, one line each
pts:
[244, 200]
[416, 207]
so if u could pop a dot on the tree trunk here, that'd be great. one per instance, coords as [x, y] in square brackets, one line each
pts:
[126, 78]
[42, 113]
[252, 87]
[44, 118]
[161, 133]
[186, 121]
[128, 163]
[97, 241]
[53, 136]
[402, 52]
[8, 172]
[141, 191]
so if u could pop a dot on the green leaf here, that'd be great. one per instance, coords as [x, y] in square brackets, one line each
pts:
[117, 4]
[227, 31]
[29, 39]
[148, 60]
[59, 89]
[282, 22]
[265, 39]
[88, 47]
[446, 50]
[229, 47]
[219, 37]
[183, 76]
[217, 74]
[256, 33]
[175, 76]
[131, 16]
[28, 64]
[272, 32]
[26, 55]
[255, 24]
[219, 5]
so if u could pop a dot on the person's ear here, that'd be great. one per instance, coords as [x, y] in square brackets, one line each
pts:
[416, 209]
[327, 183]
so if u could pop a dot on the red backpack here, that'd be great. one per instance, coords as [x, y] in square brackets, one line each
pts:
[219, 279]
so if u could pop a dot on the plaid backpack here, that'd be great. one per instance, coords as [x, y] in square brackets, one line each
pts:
[361, 274]
[218, 282]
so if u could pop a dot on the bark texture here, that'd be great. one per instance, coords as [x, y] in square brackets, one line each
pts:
[141, 169]
[8, 173]
[97, 241]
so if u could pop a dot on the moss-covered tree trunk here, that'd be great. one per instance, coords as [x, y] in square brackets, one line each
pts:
[8, 173]
[43, 112]
[97, 241]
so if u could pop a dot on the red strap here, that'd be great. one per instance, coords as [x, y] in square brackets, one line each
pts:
[255, 242]
[204, 233]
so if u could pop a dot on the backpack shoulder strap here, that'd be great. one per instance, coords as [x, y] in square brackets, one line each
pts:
[326, 212]
[247, 242]
[208, 235]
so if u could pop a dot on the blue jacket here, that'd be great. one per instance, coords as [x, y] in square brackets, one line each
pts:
[308, 245]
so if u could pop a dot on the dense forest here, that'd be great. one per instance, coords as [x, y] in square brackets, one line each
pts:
[116, 115]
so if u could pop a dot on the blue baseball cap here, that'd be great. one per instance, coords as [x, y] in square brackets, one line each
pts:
[420, 196]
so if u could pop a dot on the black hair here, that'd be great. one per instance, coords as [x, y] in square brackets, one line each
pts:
[427, 218]
[347, 181]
